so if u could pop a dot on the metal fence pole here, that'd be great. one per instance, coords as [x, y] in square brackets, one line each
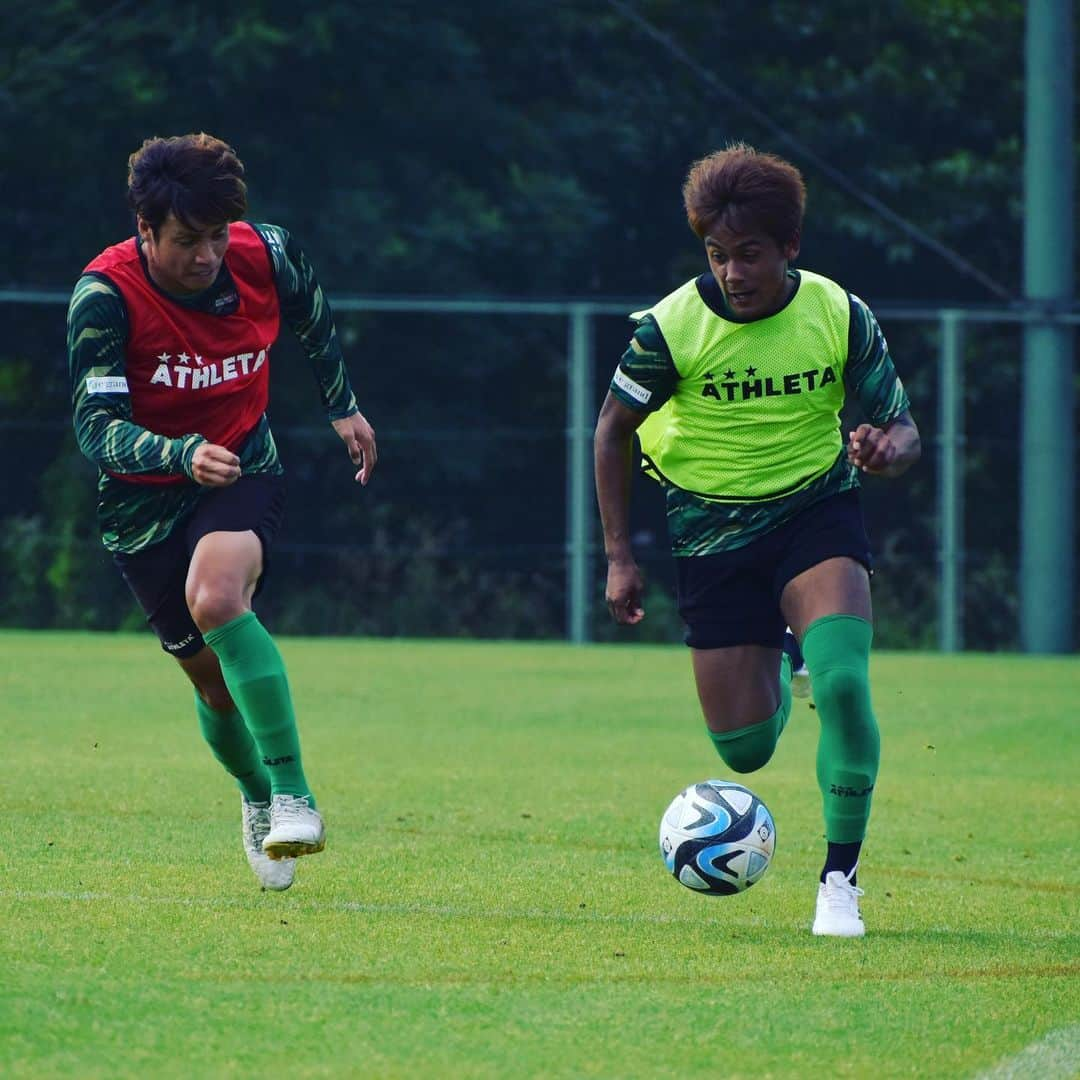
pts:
[1048, 431]
[951, 484]
[1052, 381]
[579, 487]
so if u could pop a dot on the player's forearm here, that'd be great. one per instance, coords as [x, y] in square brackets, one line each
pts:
[318, 338]
[307, 314]
[96, 340]
[104, 430]
[334, 387]
[120, 446]
[613, 464]
[905, 437]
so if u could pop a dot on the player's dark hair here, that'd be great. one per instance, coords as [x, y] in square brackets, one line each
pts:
[197, 177]
[746, 190]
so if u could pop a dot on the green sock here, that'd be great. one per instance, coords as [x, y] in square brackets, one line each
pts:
[255, 675]
[785, 689]
[748, 748]
[837, 651]
[231, 743]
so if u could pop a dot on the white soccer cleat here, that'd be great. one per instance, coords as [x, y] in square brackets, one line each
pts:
[272, 874]
[296, 828]
[800, 676]
[837, 912]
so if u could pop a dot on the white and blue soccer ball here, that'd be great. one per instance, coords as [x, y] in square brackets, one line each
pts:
[717, 837]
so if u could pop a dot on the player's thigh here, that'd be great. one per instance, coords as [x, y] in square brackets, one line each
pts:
[726, 599]
[225, 568]
[229, 537]
[737, 685]
[734, 630]
[156, 578]
[824, 563]
[837, 586]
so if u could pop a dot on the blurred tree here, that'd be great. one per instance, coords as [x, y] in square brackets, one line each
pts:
[522, 149]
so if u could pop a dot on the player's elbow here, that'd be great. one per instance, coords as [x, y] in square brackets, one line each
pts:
[91, 431]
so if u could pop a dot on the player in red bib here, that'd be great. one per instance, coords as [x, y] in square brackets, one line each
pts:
[170, 335]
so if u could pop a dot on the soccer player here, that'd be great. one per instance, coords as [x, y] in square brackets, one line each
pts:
[170, 335]
[734, 384]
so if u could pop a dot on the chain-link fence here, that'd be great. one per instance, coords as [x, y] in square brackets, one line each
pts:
[481, 518]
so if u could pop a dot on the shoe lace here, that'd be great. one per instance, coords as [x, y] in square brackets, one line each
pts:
[256, 822]
[841, 895]
[290, 807]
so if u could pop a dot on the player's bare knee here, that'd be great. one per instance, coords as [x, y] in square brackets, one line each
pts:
[212, 606]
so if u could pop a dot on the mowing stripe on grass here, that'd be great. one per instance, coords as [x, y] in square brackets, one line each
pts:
[497, 908]
[1056, 1056]
[450, 911]
[436, 910]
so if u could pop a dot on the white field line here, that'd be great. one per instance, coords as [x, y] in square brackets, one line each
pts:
[1056, 1056]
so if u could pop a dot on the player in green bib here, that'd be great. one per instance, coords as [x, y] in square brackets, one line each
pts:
[734, 384]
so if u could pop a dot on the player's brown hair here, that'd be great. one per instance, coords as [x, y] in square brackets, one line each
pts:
[197, 177]
[746, 190]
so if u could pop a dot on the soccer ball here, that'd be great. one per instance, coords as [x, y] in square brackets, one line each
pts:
[717, 837]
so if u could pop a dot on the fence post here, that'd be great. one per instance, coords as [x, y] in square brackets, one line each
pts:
[951, 484]
[579, 487]
[1048, 432]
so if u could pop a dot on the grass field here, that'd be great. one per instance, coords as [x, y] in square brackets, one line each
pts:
[492, 903]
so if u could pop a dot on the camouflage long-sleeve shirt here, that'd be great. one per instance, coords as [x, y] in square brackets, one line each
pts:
[133, 516]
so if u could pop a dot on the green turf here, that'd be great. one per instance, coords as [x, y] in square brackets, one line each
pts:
[492, 903]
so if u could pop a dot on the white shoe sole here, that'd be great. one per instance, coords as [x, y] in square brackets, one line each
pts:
[293, 849]
[853, 932]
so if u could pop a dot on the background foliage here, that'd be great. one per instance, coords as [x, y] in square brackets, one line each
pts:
[513, 149]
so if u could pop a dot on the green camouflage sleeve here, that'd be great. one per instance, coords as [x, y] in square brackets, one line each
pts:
[646, 375]
[870, 372]
[97, 330]
[305, 310]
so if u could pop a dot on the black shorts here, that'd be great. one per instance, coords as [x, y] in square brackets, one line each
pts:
[157, 575]
[733, 597]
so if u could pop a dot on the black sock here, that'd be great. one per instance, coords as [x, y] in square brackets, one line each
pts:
[842, 857]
